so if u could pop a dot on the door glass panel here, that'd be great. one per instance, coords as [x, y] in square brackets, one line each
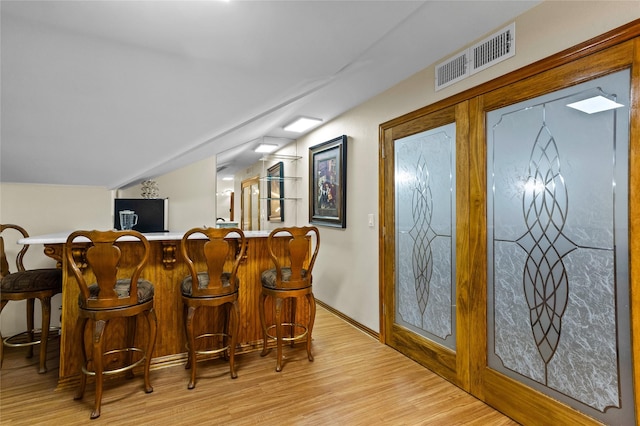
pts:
[425, 234]
[558, 279]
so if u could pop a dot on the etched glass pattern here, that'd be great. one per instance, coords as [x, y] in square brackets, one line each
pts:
[558, 308]
[425, 232]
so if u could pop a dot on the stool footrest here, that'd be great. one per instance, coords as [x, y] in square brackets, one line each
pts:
[211, 351]
[121, 369]
[289, 324]
[9, 341]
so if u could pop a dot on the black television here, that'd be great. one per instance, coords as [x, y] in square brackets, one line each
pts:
[153, 214]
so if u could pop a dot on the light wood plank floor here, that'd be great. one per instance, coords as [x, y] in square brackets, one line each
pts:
[354, 380]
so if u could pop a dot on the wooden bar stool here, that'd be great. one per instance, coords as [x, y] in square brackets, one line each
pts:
[212, 285]
[290, 279]
[41, 284]
[118, 292]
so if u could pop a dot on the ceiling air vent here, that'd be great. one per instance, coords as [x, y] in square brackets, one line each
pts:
[490, 51]
[496, 48]
[452, 70]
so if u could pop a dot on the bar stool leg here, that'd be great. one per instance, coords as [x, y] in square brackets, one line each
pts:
[185, 311]
[279, 336]
[30, 325]
[80, 327]
[45, 302]
[98, 351]
[152, 321]
[312, 316]
[263, 321]
[192, 346]
[131, 341]
[234, 312]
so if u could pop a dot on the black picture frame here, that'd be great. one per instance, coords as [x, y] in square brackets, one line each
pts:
[328, 183]
[275, 193]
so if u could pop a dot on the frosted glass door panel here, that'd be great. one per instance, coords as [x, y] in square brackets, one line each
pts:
[558, 286]
[425, 234]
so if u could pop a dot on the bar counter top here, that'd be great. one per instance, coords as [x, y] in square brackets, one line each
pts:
[61, 237]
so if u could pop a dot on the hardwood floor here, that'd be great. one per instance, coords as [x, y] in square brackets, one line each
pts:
[354, 380]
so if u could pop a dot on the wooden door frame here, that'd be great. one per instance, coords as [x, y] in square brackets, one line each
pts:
[247, 183]
[610, 52]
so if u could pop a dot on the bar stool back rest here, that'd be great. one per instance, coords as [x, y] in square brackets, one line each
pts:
[41, 284]
[118, 292]
[104, 257]
[222, 257]
[297, 255]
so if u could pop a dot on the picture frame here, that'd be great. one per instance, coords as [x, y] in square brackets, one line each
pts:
[328, 183]
[275, 193]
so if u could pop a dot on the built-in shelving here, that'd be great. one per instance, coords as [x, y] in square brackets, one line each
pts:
[288, 183]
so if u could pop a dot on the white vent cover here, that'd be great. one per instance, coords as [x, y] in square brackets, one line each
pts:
[452, 70]
[495, 48]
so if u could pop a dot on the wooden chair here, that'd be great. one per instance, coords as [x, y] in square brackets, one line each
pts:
[41, 284]
[217, 285]
[290, 279]
[118, 292]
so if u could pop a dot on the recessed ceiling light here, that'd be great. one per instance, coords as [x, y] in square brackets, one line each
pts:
[266, 147]
[301, 124]
[595, 104]
[227, 178]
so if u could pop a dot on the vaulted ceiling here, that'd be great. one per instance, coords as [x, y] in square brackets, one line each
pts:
[109, 93]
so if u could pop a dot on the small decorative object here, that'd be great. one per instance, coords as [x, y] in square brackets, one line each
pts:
[328, 183]
[150, 189]
[275, 202]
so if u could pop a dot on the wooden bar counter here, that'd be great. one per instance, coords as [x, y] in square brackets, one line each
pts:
[165, 270]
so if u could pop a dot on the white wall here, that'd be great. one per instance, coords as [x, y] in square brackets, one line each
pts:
[45, 209]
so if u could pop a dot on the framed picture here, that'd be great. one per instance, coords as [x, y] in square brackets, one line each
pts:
[328, 183]
[275, 201]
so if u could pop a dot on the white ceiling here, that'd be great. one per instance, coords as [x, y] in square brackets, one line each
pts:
[109, 93]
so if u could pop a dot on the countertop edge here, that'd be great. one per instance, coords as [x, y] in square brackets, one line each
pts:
[61, 237]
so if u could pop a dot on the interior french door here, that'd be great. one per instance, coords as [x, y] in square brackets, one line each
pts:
[509, 228]
[424, 312]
